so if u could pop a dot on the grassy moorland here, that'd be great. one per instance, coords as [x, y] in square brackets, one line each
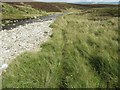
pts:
[82, 53]
[19, 11]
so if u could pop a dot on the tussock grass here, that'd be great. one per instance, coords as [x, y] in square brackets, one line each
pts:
[81, 53]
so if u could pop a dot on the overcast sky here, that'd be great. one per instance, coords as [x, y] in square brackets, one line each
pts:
[79, 0]
[60, 0]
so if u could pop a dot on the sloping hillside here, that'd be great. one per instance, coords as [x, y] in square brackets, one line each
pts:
[49, 7]
[58, 7]
[19, 11]
[39, 7]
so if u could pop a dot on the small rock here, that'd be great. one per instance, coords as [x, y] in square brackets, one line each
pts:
[4, 66]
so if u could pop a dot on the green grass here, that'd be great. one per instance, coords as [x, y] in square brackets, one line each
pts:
[19, 11]
[22, 11]
[82, 53]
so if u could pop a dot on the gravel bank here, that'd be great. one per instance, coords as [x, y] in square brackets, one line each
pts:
[23, 38]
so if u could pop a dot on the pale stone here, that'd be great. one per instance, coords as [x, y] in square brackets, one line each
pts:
[22, 38]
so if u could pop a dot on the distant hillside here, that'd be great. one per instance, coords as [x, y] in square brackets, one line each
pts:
[19, 10]
[97, 3]
[58, 7]
[49, 7]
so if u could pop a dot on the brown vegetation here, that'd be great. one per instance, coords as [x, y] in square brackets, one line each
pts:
[57, 7]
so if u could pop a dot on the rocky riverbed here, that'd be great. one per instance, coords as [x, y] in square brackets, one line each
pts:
[23, 38]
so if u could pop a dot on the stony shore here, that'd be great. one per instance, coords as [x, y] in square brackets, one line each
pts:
[23, 38]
